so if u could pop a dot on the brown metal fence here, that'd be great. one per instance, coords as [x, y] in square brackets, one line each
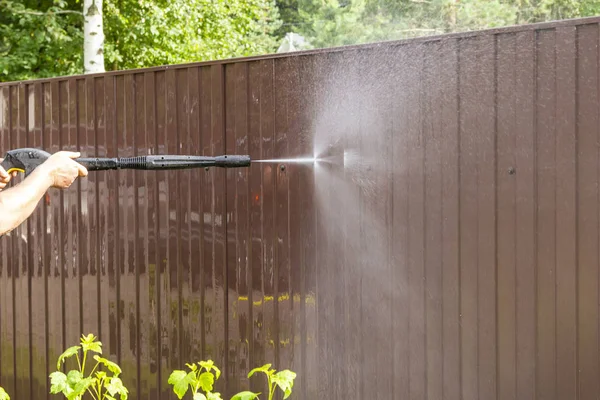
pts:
[456, 255]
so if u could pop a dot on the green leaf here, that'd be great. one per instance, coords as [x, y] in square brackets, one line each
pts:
[197, 396]
[245, 396]
[115, 386]
[70, 352]
[207, 380]
[181, 381]
[177, 376]
[264, 368]
[114, 368]
[3, 394]
[210, 365]
[81, 387]
[214, 396]
[74, 377]
[95, 347]
[217, 371]
[285, 380]
[58, 382]
[193, 367]
[89, 343]
[207, 364]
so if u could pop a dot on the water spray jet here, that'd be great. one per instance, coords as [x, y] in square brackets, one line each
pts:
[301, 160]
[334, 156]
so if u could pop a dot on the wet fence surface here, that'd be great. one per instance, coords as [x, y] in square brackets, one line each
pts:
[453, 253]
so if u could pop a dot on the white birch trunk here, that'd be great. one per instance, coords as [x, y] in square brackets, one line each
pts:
[93, 37]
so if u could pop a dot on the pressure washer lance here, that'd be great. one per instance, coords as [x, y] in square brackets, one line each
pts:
[25, 160]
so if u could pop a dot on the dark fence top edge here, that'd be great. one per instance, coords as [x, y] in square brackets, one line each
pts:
[367, 46]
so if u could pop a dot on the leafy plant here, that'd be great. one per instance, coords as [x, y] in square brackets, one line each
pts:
[3, 394]
[75, 384]
[201, 377]
[282, 379]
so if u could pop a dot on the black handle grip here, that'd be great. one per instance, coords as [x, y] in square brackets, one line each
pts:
[98, 164]
[24, 160]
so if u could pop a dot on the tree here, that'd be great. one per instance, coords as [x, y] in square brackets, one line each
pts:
[327, 23]
[142, 33]
[45, 38]
[40, 39]
[93, 37]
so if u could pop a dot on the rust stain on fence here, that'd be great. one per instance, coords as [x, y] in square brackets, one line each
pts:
[463, 264]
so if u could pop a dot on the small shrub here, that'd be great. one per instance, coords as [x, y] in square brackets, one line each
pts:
[201, 377]
[98, 384]
[282, 379]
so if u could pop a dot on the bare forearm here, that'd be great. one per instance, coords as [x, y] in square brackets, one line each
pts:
[19, 202]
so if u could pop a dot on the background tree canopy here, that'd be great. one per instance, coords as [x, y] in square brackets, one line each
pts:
[44, 38]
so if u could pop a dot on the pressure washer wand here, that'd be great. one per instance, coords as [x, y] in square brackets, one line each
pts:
[25, 160]
[166, 162]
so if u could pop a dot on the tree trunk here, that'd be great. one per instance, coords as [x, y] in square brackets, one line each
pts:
[93, 37]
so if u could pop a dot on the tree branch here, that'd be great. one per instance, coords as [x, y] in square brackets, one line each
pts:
[49, 12]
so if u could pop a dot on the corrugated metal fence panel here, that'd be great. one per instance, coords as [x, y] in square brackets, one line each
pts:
[455, 256]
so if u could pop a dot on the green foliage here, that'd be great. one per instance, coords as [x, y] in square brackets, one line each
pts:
[282, 379]
[337, 23]
[98, 384]
[142, 33]
[200, 376]
[590, 8]
[482, 14]
[326, 23]
[45, 38]
[41, 39]
[3, 394]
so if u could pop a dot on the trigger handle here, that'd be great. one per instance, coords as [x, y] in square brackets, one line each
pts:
[23, 160]
[9, 167]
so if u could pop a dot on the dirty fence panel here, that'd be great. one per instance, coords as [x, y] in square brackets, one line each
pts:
[53, 112]
[21, 277]
[587, 211]
[37, 250]
[403, 92]
[348, 199]
[327, 265]
[454, 256]
[292, 342]
[308, 374]
[525, 280]
[255, 249]
[506, 142]
[447, 64]
[546, 215]
[9, 260]
[566, 216]
[191, 328]
[469, 217]
[433, 219]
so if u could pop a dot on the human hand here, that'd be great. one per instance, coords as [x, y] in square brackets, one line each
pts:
[5, 176]
[62, 170]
